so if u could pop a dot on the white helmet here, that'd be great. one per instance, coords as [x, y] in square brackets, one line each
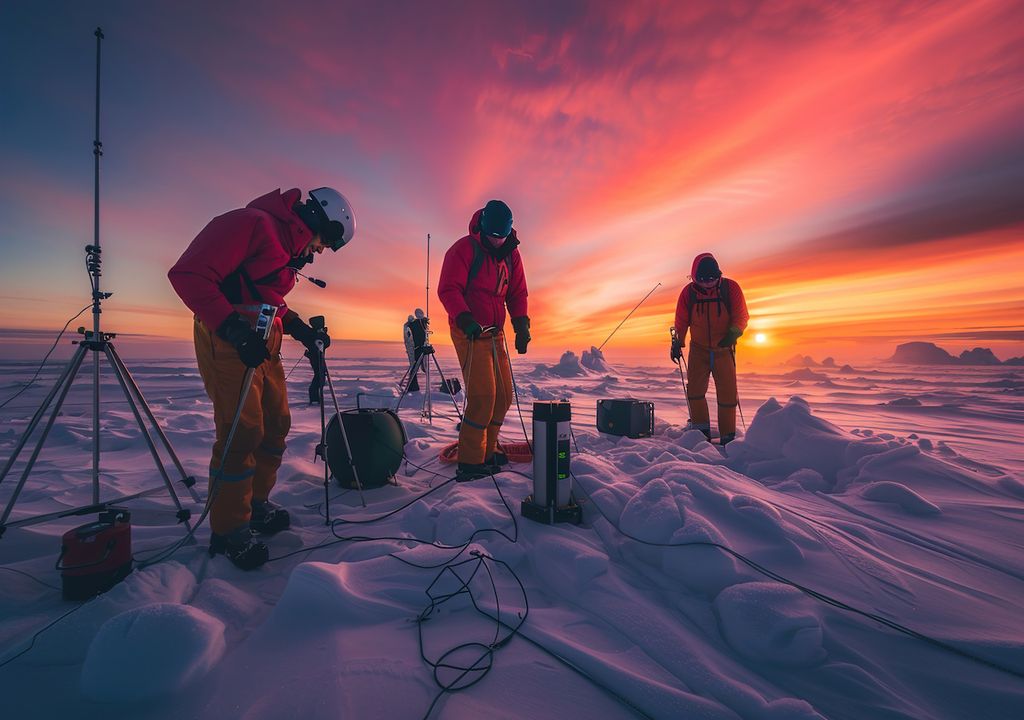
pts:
[338, 221]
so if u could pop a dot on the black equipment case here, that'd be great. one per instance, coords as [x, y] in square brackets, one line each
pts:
[628, 417]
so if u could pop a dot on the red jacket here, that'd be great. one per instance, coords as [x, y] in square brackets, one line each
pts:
[261, 238]
[716, 309]
[500, 281]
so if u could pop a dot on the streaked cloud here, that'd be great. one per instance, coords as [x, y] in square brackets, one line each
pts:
[854, 165]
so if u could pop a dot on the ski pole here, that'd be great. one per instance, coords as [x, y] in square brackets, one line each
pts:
[736, 372]
[686, 389]
[264, 323]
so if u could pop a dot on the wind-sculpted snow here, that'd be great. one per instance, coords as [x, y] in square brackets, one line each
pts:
[659, 595]
[771, 623]
[568, 366]
[593, 359]
[151, 652]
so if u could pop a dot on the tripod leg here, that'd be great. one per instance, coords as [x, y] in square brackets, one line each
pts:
[323, 449]
[406, 377]
[66, 375]
[427, 406]
[109, 351]
[330, 384]
[445, 382]
[42, 439]
[413, 368]
[187, 480]
[344, 435]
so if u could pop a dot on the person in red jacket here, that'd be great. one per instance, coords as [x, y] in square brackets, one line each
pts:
[482, 275]
[241, 260]
[712, 308]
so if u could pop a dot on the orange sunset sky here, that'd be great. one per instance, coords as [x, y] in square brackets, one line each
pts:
[857, 167]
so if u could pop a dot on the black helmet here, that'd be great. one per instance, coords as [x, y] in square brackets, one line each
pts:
[496, 219]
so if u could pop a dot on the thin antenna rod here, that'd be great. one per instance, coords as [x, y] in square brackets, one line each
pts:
[428, 276]
[97, 151]
[627, 316]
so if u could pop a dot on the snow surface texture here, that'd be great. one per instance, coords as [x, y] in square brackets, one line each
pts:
[150, 651]
[849, 489]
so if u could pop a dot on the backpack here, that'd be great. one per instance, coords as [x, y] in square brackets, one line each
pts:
[721, 299]
[478, 261]
[231, 286]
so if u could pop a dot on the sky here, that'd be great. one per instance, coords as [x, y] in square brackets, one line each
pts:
[858, 168]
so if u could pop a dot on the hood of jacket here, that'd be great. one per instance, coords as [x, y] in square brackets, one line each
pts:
[696, 263]
[279, 205]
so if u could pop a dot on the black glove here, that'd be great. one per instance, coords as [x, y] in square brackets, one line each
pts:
[677, 349]
[252, 349]
[294, 326]
[469, 325]
[522, 327]
[731, 336]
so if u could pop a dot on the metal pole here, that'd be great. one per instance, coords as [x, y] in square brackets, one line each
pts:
[97, 151]
[686, 389]
[341, 424]
[323, 444]
[428, 276]
[627, 316]
[426, 331]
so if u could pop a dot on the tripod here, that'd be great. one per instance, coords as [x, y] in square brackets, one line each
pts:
[96, 342]
[427, 350]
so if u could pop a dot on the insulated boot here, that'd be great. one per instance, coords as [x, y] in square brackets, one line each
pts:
[240, 548]
[467, 472]
[706, 429]
[268, 518]
[496, 461]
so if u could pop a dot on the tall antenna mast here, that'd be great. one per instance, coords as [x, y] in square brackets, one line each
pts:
[428, 276]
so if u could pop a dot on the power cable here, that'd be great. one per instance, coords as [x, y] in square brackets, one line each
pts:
[46, 357]
[46, 627]
[817, 595]
[29, 576]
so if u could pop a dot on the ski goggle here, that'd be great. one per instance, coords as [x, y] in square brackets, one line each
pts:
[333, 234]
[496, 227]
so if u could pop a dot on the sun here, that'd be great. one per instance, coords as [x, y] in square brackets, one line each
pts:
[760, 338]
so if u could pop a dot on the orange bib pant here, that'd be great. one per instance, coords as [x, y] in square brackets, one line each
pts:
[704, 362]
[488, 380]
[250, 469]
